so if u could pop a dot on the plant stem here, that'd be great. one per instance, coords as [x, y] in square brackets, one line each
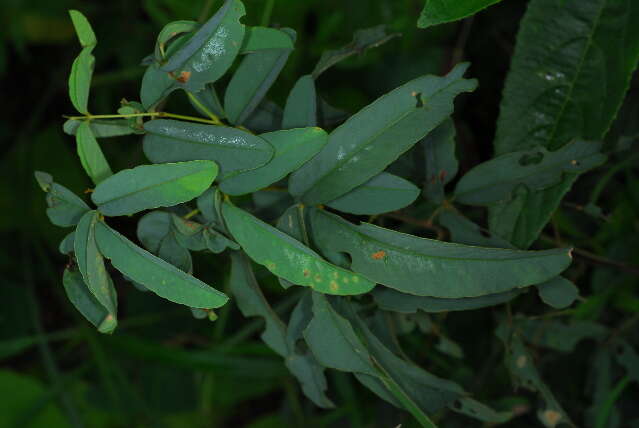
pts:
[268, 11]
[202, 107]
[152, 114]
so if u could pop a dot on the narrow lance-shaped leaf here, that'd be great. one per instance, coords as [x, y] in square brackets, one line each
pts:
[265, 38]
[301, 105]
[232, 149]
[207, 101]
[446, 270]
[441, 163]
[252, 79]
[370, 140]
[553, 93]
[162, 278]
[362, 41]
[495, 180]
[170, 31]
[293, 148]
[91, 156]
[91, 265]
[209, 53]
[152, 186]
[64, 208]
[381, 194]
[79, 295]
[101, 128]
[441, 11]
[288, 258]
[82, 67]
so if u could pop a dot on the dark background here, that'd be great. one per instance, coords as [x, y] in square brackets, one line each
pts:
[162, 368]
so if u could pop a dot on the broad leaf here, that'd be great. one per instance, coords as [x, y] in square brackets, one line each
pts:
[83, 29]
[232, 149]
[558, 293]
[441, 163]
[426, 267]
[101, 128]
[362, 41]
[370, 140]
[288, 258]
[441, 11]
[162, 278]
[301, 104]
[152, 186]
[79, 295]
[553, 93]
[64, 208]
[209, 53]
[264, 38]
[381, 194]
[82, 68]
[91, 265]
[252, 79]
[292, 147]
[90, 154]
[495, 180]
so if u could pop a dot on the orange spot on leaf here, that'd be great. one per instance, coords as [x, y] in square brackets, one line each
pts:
[378, 255]
[184, 77]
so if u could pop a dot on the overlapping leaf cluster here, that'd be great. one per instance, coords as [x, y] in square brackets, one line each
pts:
[209, 176]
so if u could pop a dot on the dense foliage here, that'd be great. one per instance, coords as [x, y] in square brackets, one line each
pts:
[373, 260]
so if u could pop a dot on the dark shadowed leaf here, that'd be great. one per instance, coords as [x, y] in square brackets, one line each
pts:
[441, 163]
[558, 292]
[64, 208]
[207, 102]
[155, 232]
[264, 38]
[301, 105]
[441, 11]
[90, 154]
[79, 295]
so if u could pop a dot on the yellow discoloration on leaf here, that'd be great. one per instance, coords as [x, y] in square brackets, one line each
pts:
[521, 361]
[552, 417]
[335, 275]
[318, 278]
[306, 272]
[334, 286]
[184, 76]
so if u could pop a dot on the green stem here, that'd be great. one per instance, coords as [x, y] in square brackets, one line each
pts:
[603, 182]
[603, 414]
[201, 106]
[268, 11]
[152, 114]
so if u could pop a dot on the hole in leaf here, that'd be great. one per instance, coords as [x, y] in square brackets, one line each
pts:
[418, 96]
[531, 159]
[457, 404]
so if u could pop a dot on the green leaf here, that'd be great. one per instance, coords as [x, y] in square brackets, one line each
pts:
[495, 180]
[264, 38]
[91, 156]
[101, 128]
[199, 237]
[66, 246]
[392, 300]
[370, 140]
[362, 41]
[154, 273]
[80, 80]
[210, 203]
[267, 117]
[209, 53]
[232, 149]
[83, 29]
[464, 231]
[152, 186]
[627, 357]
[156, 86]
[293, 148]
[288, 258]
[441, 162]
[80, 296]
[208, 99]
[469, 407]
[91, 265]
[558, 293]
[437, 12]
[301, 105]
[447, 270]
[64, 208]
[553, 93]
[156, 233]
[252, 79]
[557, 335]
[381, 194]
[169, 32]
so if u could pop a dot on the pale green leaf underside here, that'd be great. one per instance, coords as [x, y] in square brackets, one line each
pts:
[90, 153]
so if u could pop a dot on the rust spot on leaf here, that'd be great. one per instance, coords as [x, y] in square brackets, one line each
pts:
[378, 255]
[552, 417]
[306, 272]
[334, 286]
[184, 77]
[442, 175]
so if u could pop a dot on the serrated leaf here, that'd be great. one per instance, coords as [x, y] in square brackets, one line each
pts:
[83, 29]
[209, 53]
[381, 194]
[446, 270]
[392, 300]
[437, 12]
[156, 86]
[370, 140]
[170, 31]
[64, 208]
[80, 296]
[538, 169]
[101, 128]
[232, 149]
[362, 41]
[90, 154]
[292, 147]
[91, 264]
[264, 38]
[252, 79]
[441, 163]
[154, 273]
[151, 186]
[288, 258]
[301, 105]
[558, 293]
[155, 232]
[552, 94]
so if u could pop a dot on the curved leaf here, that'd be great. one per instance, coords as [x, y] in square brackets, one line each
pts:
[169, 32]
[156, 86]
[155, 232]
[381, 194]
[288, 258]
[301, 104]
[85, 303]
[293, 148]
[101, 128]
[437, 12]
[64, 208]
[264, 38]
[232, 149]
[163, 279]
[370, 140]
[82, 67]
[90, 153]
[83, 29]
[444, 269]
[152, 186]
